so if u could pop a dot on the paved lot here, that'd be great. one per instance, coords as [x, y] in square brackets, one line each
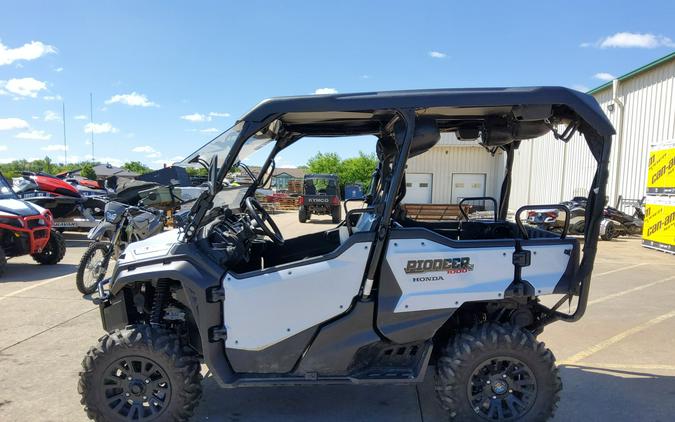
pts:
[616, 364]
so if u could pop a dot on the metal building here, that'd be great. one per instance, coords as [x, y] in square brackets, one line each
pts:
[641, 106]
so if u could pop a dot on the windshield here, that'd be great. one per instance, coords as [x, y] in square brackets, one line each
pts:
[222, 145]
[6, 191]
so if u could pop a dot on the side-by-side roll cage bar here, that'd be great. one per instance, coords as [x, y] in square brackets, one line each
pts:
[599, 145]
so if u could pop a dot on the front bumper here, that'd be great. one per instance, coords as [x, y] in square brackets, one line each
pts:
[34, 231]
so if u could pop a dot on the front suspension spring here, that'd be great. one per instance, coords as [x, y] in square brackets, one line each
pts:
[162, 293]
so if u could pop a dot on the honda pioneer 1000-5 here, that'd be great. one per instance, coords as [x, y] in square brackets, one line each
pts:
[375, 300]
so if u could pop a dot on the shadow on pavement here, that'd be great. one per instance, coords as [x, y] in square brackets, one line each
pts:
[615, 395]
[589, 394]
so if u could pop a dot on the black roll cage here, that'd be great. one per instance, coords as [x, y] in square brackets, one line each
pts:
[599, 145]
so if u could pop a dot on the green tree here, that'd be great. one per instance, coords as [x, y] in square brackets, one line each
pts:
[87, 171]
[136, 167]
[350, 170]
[358, 169]
[328, 163]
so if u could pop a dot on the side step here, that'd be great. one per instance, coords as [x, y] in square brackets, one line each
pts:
[372, 376]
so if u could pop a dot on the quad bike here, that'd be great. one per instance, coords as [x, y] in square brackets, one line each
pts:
[71, 206]
[320, 196]
[376, 300]
[26, 229]
[615, 223]
[122, 224]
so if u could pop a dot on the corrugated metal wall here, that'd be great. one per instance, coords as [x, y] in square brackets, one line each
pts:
[449, 157]
[547, 170]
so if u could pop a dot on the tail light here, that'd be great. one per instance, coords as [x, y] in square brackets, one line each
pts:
[335, 201]
[531, 214]
[552, 214]
[301, 200]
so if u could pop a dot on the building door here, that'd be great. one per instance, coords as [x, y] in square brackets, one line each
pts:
[418, 188]
[466, 185]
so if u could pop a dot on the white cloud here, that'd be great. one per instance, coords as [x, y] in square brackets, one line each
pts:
[582, 88]
[209, 130]
[604, 76]
[218, 114]
[3, 147]
[145, 148]
[80, 117]
[25, 87]
[98, 128]
[10, 123]
[134, 99]
[51, 116]
[324, 91]
[28, 51]
[34, 134]
[195, 117]
[632, 40]
[52, 98]
[54, 147]
[437, 54]
[5, 160]
[365, 76]
[154, 154]
[58, 69]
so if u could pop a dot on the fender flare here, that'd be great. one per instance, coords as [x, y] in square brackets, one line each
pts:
[196, 285]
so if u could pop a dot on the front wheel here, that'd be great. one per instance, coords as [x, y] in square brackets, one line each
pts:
[93, 267]
[140, 373]
[610, 232]
[54, 251]
[497, 372]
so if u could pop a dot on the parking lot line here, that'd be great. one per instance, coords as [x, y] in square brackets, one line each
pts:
[33, 286]
[616, 270]
[627, 366]
[615, 339]
[633, 290]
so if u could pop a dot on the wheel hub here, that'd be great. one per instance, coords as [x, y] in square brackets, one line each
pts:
[502, 389]
[136, 388]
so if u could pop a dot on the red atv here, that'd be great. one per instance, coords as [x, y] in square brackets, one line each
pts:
[26, 229]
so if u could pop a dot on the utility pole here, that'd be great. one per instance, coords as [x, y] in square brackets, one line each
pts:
[91, 121]
[65, 145]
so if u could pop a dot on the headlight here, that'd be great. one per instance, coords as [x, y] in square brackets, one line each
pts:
[110, 216]
[16, 222]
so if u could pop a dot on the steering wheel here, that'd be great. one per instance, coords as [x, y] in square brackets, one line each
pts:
[263, 220]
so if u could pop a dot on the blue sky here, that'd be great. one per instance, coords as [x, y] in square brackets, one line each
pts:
[168, 76]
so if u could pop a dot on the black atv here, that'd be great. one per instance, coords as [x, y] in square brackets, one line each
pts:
[320, 196]
[26, 229]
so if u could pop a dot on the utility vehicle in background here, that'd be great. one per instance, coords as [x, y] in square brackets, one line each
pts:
[26, 229]
[320, 196]
[375, 300]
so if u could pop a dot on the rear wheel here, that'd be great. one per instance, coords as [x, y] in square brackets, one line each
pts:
[3, 261]
[336, 214]
[93, 267]
[302, 215]
[610, 232]
[497, 372]
[142, 374]
[54, 251]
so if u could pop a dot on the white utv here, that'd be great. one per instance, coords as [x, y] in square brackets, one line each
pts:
[375, 300]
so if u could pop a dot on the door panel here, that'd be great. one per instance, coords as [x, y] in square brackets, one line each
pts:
[426, 276]
[269, 307]
[436, 276]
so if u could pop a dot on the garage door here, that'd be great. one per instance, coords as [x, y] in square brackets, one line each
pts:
[466, 185]
[418, 188]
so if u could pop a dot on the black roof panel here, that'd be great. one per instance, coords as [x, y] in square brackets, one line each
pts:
[582, 104]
